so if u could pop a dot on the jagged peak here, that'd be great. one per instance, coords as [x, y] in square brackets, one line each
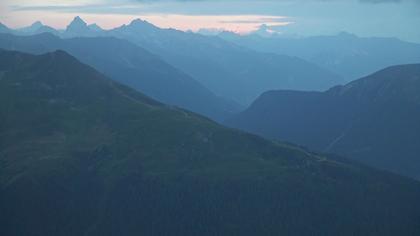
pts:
[228, 33]
[141, 23]
[95, 27]
[3, 26]
[77, 21]
[37, 24]
[138, 21]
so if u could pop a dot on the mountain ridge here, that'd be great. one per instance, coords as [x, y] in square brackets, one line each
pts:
[371, 120]
[133, 66]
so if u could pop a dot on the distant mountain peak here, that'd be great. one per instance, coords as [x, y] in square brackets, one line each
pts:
[3, 28]
[37, 24]
[228, 35]
[77, 23]
[227, 32]
[78, 27]
[264, 31]
[139, 23]
[79, 19]
[95, 27]
[33, 27]
[208, 31]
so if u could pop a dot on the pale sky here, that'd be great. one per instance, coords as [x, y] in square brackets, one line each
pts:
[384, 18]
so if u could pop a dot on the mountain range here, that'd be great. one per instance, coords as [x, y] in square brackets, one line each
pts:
[345, 54]
[221, 66]
[133, 66]
[374, 120]
[84, 155]
[217, 64]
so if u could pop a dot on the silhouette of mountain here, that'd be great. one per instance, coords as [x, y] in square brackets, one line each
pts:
[35, 28]
[4, 29]
[133, 66]
[47, 29]
[95, 27]
[79, 28]
[372, 120]
[84, 155]
[345, 54]
[32, 28]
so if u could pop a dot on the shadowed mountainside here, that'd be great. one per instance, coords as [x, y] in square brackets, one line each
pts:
[83, 155]
[373, 120]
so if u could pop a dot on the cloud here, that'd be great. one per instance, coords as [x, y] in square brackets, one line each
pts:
[191, 7]
[381, 1]
[261, 20]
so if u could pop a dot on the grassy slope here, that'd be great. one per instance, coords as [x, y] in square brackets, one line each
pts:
[80, 154]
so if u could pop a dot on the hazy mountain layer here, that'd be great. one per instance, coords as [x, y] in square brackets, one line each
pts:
[133, 66]
[345, 54]
[229, 71]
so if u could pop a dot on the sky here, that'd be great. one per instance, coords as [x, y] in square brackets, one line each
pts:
[378, 18]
